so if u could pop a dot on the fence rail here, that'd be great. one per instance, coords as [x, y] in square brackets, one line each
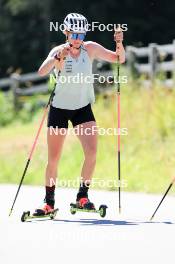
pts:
[161, 58]
[6, 82]
[24, 85]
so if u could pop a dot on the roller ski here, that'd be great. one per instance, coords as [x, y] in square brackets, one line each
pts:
[46, 212]
[84, 205]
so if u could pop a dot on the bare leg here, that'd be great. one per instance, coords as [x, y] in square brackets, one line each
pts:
[55, 144]
[89, 144]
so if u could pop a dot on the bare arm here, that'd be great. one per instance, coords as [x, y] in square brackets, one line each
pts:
[97, 51]
[50, 62]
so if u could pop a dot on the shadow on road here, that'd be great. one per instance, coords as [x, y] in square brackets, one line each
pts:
[106, 222]
[100, 222]
[97, 222]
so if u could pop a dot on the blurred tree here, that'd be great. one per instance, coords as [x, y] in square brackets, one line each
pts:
[25, 38]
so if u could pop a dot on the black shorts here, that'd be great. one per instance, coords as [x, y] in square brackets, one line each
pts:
[58, 118]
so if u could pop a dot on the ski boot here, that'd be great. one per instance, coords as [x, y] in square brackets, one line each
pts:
[46, 212]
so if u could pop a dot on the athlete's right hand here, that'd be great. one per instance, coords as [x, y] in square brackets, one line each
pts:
[63, 52]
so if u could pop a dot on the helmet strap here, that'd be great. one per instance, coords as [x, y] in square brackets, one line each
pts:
[77, 48]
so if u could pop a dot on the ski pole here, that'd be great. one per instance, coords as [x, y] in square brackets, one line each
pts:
[32, 149]
[167, 191]
[118, 127]
[118, 123]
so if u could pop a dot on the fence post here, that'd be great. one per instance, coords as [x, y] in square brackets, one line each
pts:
[15, 79]
[173, 57]
[131, 57]
[152, 60]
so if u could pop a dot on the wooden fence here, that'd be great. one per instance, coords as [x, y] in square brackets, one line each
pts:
[159, 59]
[31, 83]
[24, 85]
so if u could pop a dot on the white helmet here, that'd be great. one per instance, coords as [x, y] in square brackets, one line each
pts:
[76, 23]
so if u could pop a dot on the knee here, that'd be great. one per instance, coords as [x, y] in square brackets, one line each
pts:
[52, 163]
[90, 153]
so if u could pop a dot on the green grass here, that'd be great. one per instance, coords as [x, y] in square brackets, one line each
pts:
[147, 152]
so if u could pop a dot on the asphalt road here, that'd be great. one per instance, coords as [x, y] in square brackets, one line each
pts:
[85, 237]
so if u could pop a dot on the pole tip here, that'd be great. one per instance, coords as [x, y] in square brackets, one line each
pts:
[10, 213]
[151, 219]
[120, 210]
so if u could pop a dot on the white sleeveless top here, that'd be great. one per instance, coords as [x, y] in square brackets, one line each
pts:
[74, 87]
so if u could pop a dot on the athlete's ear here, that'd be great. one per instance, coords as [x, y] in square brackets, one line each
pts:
[65, 32]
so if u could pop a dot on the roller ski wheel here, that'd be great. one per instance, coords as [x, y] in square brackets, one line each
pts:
[102, 210]
[39, 213]
[25, 216]
[73, 208]
[84, 205]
